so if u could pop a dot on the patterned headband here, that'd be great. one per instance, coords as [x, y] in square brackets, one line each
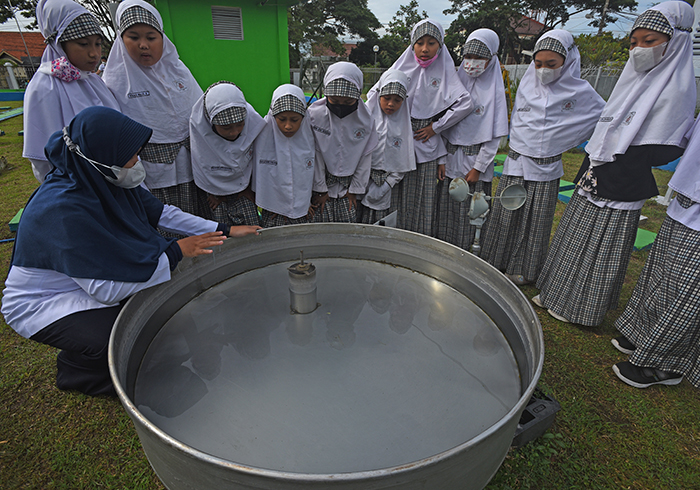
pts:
[426, 29]
[393, 88]
[550, 44]
[341, 87]
[230, 115]
[137, 15]
[655, 21]
[287, 103]
[83, 25]
[476, 48]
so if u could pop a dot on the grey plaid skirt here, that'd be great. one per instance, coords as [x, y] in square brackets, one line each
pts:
[662, 318]
[452, 221]
[336, 211]
[516, 242]
[235, 210]
[270, 220]
[183, 196]
[585, 268]
[416, 207]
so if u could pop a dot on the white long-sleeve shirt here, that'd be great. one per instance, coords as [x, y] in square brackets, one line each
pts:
[35, 298]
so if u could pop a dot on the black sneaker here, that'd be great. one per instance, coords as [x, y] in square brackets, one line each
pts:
[623, 345]
[640, 377]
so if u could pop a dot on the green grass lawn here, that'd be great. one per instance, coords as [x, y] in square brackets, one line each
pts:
[607, 435]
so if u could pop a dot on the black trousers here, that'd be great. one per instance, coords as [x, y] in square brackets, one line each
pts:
[83, 338]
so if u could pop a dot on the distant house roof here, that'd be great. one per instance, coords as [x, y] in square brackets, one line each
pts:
[11, 43]
[320, 50]
[527, 27]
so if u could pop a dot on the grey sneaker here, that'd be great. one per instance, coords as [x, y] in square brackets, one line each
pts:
[538, 301]
[623, 345]
[640, 377]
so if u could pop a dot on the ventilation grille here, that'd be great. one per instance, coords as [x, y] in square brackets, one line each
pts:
[227, 23]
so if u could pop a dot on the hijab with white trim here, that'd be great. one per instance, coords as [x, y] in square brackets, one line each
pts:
[50, 103]
[284, 167]
[548, 120]
[219, 166]
[655, 107]
[489, 119]
[395, 151]
[343, 142]
[432, 89]
[160, 96]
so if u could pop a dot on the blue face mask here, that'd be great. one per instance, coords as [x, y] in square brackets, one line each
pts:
[128, 178]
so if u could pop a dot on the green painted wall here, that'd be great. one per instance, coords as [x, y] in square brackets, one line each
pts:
[258, 64]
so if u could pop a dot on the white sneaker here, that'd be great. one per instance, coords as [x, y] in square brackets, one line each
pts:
[538, 301]
[558, 317]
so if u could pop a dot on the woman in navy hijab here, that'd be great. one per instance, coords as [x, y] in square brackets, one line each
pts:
[87, 241]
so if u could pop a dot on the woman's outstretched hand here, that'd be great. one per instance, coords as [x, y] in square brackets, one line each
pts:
[201, 244]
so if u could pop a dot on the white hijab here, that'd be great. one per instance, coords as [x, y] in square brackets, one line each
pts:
[343, 142]
[489, 119]
[219, 166]
[686, 178]
[284, 167]
[655, 107]
[395, 151]
[548, 120]
[160, 96]
[432, 89]
[50, 103]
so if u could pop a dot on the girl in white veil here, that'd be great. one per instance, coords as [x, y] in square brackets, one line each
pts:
[438, 102]
[62, 87]
[554, 111]
[155, 88]
[473, 142]
[395, 154]
[284, 160]
[644, 124]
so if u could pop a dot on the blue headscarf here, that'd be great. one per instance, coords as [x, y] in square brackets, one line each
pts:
[79, 224]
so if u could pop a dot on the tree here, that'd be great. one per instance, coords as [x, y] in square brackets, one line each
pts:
[25, 8]
[504, 17]
[405, 18]
[501, 17]
[603, 50]
[323, 22]
[394, 42]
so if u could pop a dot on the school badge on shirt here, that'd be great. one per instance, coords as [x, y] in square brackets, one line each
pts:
[180, 85]
[309, 164]
[479, 110]
[359, 133]
[396, 143]
[434, 83]
[568, 105]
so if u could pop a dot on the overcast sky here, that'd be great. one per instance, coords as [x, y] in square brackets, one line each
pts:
[386, 9]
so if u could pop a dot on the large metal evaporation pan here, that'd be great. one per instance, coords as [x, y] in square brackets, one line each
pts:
[411, 372]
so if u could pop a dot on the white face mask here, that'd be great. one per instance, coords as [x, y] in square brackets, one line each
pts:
[548, 75]
[644, 59]
[474, 68]
[128, 178]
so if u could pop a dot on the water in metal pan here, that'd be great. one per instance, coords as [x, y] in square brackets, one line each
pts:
[392, 367]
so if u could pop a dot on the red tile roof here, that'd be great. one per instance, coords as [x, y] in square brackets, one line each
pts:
[11, 42]
[527, 26]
